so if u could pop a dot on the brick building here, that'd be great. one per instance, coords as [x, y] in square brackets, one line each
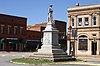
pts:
[60, 25]
[33, 41]
[16, 36]
[12, 32]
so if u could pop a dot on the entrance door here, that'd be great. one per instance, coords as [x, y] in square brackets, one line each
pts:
[94, 48]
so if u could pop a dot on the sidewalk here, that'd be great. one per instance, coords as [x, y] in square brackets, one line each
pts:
[90, 59]
[89, 56]
[25, 54]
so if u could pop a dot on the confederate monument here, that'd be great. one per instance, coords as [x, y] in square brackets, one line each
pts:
[50, 49]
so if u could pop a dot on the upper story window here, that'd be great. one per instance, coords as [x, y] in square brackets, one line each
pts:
[86, 21]
[15, 30]
[9, 29]
[94, 20]
[2, 29]
[79, 21]
[72, 21]
[21, 30]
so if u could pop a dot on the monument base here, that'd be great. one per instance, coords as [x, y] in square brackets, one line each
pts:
[54, 55]
[54, 58]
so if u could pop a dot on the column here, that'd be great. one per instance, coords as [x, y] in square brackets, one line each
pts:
[68, 47]
[16, 47]
[90, 47]
[3, 46]
[22, 47]
[98, 41]
[75, 22]
[90, 20]
[98, 19]
[98, 47]
[76, 46]
[69, 20]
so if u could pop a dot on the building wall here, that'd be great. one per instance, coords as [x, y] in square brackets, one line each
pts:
[58, 24]
[82, 12]
[33, 35]
[12, 29]
[12, 21]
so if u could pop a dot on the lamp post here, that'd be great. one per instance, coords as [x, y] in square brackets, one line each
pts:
[74, 34]
[70, 28]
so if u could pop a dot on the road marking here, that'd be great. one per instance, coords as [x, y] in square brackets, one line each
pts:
[23, 55]
[13, 55]
[3, 55]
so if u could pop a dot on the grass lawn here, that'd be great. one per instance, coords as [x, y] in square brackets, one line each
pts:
[31, 61]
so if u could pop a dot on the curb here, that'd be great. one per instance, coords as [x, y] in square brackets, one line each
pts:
[82, 63]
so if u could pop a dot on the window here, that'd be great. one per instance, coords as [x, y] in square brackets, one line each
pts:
[21, 30]
[94, 34]
[9, 29]
[83, 42]
[94, 20]
[2, 29]
[86, 23]
[72, 21]
[79, 21]
[15, 30]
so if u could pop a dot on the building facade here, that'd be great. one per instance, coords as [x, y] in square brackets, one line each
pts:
[12, 32]
[86, 21]
[15, 35]
[33, 41]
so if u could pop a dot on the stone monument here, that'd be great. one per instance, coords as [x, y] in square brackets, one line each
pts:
[50, 50]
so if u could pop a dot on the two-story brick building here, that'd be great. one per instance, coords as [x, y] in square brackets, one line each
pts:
[16, 36]
[86, 19]
[12, 32]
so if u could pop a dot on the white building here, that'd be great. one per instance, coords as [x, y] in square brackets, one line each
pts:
[86, 19]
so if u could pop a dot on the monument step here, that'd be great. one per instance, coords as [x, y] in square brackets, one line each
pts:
[51, 57]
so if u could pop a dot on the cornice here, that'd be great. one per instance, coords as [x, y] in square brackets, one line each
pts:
[88, 7]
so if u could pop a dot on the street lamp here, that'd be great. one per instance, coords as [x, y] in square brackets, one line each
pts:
[74, 34]
[70, 28]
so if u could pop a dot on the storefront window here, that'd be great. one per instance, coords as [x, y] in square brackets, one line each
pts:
[83, 42]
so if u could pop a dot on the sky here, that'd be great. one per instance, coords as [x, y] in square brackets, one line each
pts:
[36, 11]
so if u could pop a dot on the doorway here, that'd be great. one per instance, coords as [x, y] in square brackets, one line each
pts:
[94, 48]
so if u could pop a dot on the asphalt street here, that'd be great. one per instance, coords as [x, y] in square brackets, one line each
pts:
[93, 60]
[6, 57]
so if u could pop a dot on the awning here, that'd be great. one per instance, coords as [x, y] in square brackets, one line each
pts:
[33, 42]
[22, 41]
[12, 40]
[2, 40]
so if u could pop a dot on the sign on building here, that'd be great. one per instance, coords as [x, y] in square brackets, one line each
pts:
[74, 32]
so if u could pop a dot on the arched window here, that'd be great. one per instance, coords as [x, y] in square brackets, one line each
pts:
[83, 42]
